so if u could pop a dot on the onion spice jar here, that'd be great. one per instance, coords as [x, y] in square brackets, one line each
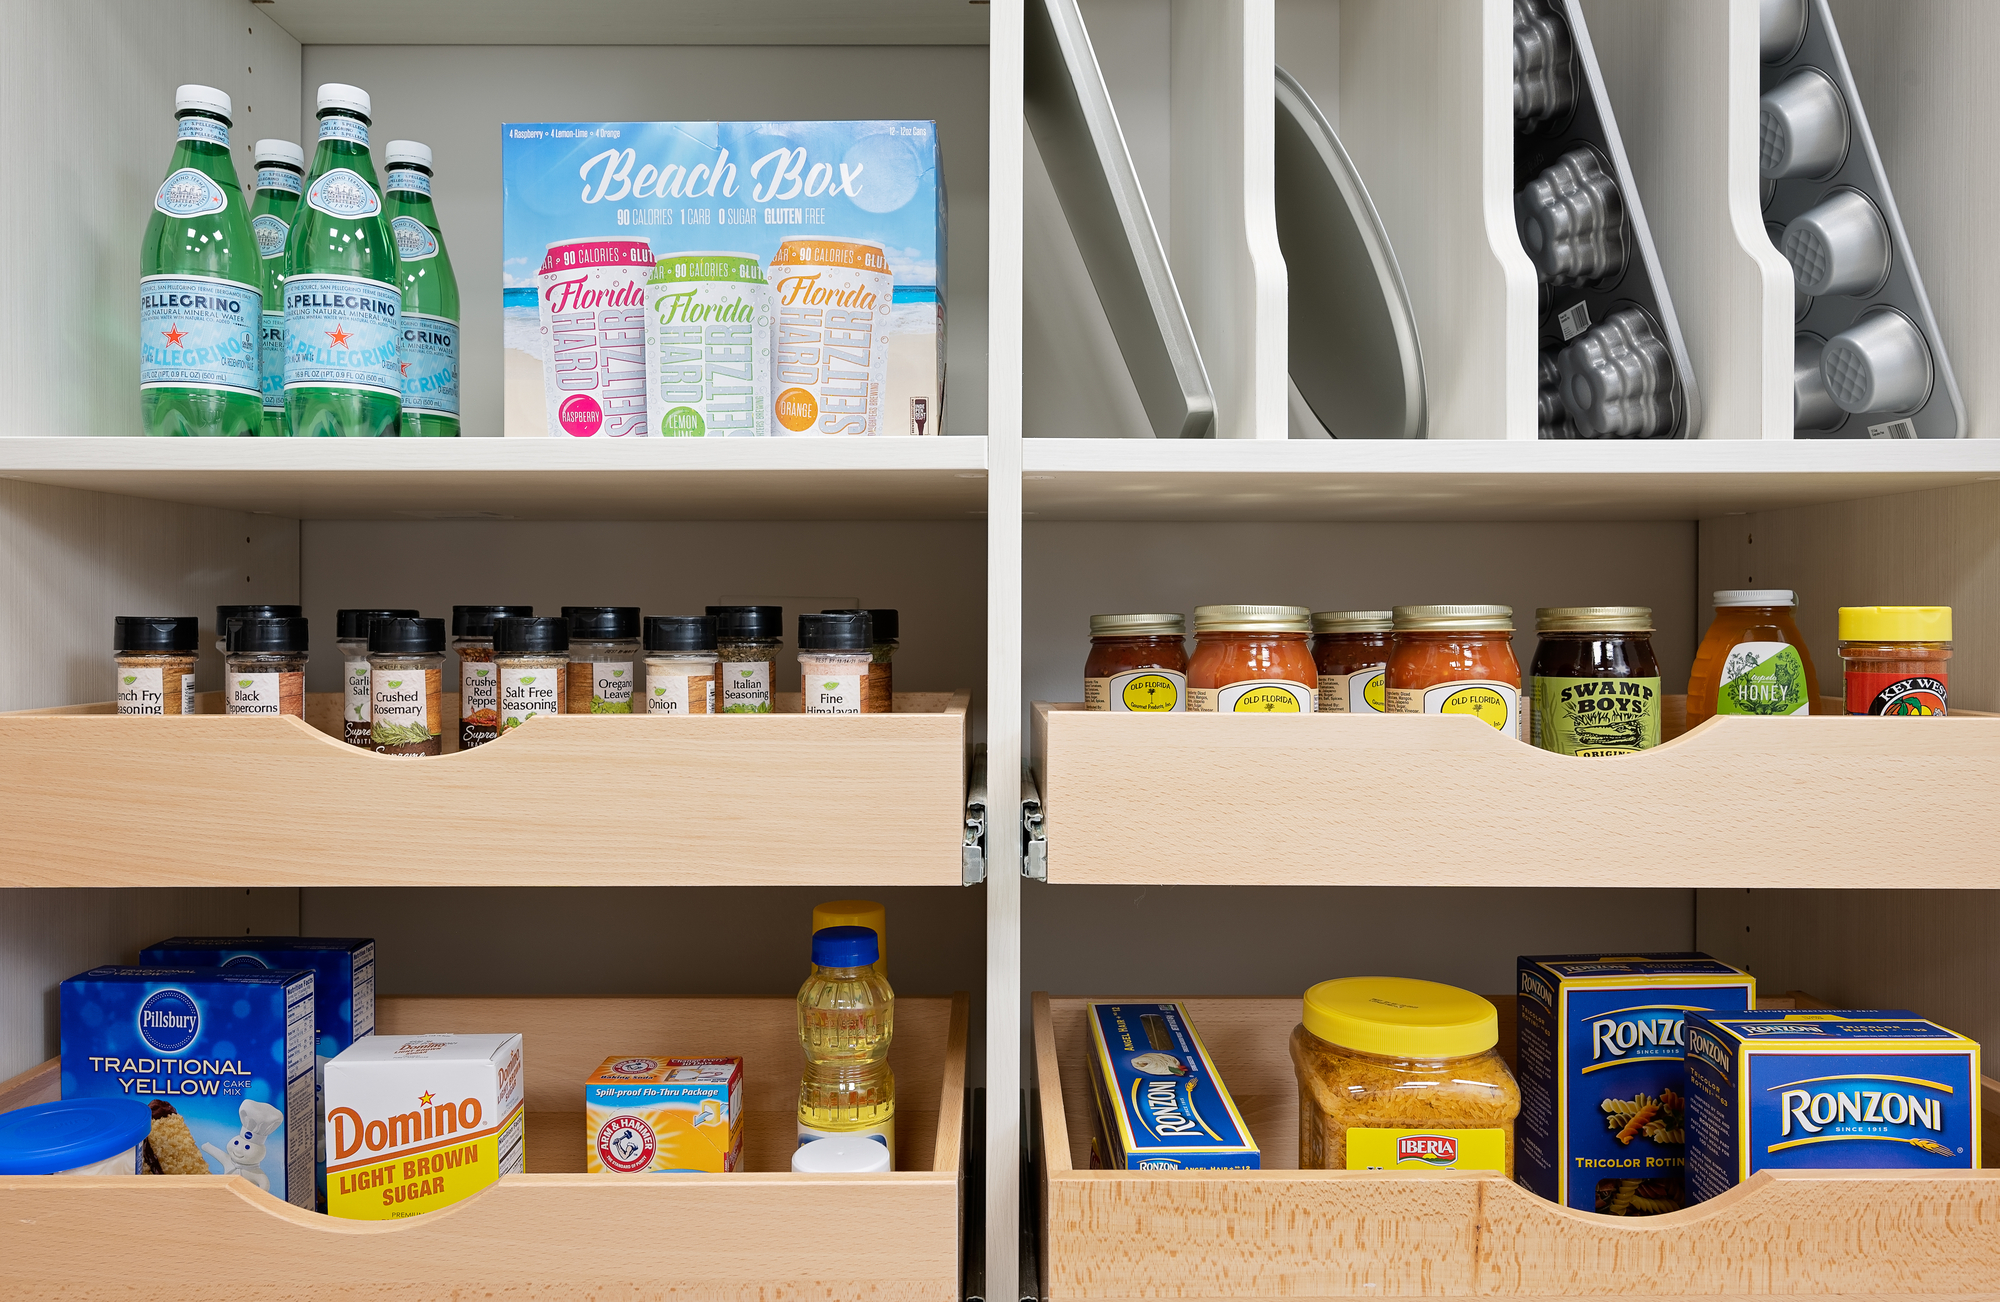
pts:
[1457, 660]
[1596, 683]
[1252, 660]
[1138, 663]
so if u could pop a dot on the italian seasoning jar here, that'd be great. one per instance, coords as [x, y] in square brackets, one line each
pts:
[1456, 660]
[406, 666]
[1137, 664]
[1351, 654]
[156, 657]
[1595, 681]
[264, 669]
[747, 642]
[478, 682]
[680, 664]
[350, 634]
[836, 653]
[1896, 659]
[1251, 660]
[881, 668]
[603, 658]
[531, 661]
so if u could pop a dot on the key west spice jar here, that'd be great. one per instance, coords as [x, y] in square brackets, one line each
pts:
[156, 657]
[1137, 663]
[531, 660]
[1456, 660]
[1251, 660]
[1896, 659]
[1351, 653]
[1595, 681]
[478, 682]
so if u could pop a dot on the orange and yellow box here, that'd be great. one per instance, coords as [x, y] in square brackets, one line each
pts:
[645, 1116]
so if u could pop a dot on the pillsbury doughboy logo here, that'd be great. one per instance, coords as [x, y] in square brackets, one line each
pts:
[414, 240]
[344, 192]
[169, 1020]
[190, 193]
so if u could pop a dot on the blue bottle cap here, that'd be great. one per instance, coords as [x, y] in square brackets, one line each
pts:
[51, 1137]
[844, 947]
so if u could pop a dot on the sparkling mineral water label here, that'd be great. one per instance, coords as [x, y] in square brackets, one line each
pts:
[335, 127]
[280, 178]
[252, 693]
[746, 687]
[271, 231]
[409, 178]
[414, 240]
[345, 193]
[199, 333]
[430, 363]
[271, 359]
[200, 128]
[343, 332]
[1763, 678]
[834, 693]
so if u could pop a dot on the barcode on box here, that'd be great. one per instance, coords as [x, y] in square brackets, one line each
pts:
[1574, 320]
[1895, 429]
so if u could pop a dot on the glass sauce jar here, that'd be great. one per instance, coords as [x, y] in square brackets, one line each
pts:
[1137, 663]
[1351, 653]
[1896, 659]
[1251, 660]
[1753, 660]
[1595, 681]
[1456, 660]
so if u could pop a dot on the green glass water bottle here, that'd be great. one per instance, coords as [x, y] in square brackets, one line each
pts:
[200, 286]
[281, 172]
[343, 311]
[430, 295]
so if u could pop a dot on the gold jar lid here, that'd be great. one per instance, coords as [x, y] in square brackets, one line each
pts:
[1138, 626]
[1252, 619]
[1353, 621]
[1594, 619]
[1454, 619]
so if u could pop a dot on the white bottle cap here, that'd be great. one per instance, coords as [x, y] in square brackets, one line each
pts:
[339, 95]
[409, 152]
[280, 151]
[206, 99]
[1756, 597]
[841, 1153]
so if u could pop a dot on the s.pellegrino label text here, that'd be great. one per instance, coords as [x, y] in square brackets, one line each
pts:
[196, 332]
[430, 363]
[343, 332]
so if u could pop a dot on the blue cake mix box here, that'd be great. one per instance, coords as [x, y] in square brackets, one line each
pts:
[225, 1059]
[1829, 1089]
[343, 993]
[1603, 1085]
[1161, 1105]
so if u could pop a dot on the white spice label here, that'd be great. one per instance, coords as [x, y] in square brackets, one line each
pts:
[746, 687]
[528, 691]
[834, 693]
[477, 689]
[400, 705]
[610, 686]
[355, 717]
[251, 693]
[140, 692]
[681, 693]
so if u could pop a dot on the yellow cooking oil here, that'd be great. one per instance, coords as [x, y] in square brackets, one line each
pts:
[847, 1016]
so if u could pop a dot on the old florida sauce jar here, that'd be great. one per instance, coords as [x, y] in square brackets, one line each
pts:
[1351, 653]
[1895, 657]
[1457, 660]
[1753, 660]
[1137, 663]
[1595, 681]
[1252, 660]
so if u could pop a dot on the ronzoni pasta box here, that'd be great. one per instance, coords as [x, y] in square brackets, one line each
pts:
[1161, 1105]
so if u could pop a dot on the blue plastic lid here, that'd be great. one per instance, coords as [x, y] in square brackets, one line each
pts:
[844, 947]
[51, 1137]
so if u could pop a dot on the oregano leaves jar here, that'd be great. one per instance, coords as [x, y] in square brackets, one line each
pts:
[603, 658]
[406, 667]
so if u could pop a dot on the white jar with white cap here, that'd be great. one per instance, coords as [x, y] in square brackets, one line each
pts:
[841, 1155]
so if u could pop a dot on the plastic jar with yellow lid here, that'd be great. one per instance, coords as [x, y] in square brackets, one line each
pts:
[1897, 659]
[1401, 1075]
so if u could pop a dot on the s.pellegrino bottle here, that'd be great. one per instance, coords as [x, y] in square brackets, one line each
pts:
[281, 172]
[343, 311]
[430, 296]
[200, 286]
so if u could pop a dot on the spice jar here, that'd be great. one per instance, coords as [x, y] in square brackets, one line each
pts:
[156, 657]
[1251, 660]
[1456, 660]
[835, 655]
[350, 629]
[225, 614]
[747, 641]
[603, 658]
[531, 660]
[1396, 1074]
[680, 664]
[1895, 658]
[1595, 682]
[1351, 655]
[1753, 660]
[264, 669]
[1137, 664]
[478, 683]
[881, 668]
[406, 689]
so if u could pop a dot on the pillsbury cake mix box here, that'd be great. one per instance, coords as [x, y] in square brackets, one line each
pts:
[1603, 1086]
[1161, 1105]
[1834, 1089]
[722, 279]
[225, 1059]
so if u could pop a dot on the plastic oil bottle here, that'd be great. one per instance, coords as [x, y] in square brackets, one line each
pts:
[430, 296]
[200, 286]
[281, 172]
[847, 1016]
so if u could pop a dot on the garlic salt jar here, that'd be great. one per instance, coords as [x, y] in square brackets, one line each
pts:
[1252, 660]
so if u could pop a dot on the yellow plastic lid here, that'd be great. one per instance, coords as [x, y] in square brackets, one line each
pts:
[857, 913]
[1895, 623]
[1397, 1017]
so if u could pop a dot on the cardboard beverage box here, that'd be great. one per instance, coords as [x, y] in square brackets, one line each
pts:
[647, 1115]
[1161, 1105]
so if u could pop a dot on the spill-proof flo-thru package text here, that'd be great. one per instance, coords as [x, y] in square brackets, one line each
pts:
[722, 279]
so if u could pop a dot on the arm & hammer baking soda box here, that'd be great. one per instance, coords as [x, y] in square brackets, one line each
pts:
[419, 1122]
[647, 1115]
[1161, 1105]
[1827, 1089]
[722, 279]
[1603, 1084]
[224, 1057]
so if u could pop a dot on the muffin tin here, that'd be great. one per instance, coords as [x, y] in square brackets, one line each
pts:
[1612, 363]
[1867, 359]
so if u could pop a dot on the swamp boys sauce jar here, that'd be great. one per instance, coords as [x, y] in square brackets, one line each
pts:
[1595, 681]
[1351, 653]
[1138, 663]
[1456, 660]
[1252, 660]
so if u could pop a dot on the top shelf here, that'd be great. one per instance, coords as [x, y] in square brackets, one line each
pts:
[632, 22]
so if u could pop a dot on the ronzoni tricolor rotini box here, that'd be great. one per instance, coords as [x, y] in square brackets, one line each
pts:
[1161, 1105]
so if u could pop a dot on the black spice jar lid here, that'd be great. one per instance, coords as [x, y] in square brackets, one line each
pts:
[602, 622]
[530, 635]
[156, 633]
[223, 614]
[680, 632]
[351, 624]
[756, 623]
[268, 635]
[406, 635]
[884, 621]
[840, 631]
[477, 621]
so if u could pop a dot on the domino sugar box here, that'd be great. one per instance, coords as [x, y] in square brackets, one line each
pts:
[1161, 1105]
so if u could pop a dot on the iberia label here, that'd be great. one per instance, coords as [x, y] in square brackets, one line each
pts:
[1498, 704]
[1360, 692]
[1370, 1149]
[1905, 694]
[1763, 678]
[1259, 696]
[1137, 691]
[1596, 716]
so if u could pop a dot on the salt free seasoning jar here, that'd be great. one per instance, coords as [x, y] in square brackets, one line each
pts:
[478, 682]
[835, 655]
[680, 664]
[882, 668]
[264, 669]
[1896, 659]
[531, 660]
[1137, 663]
[156, 657]
[350, 634]
[1595, 681]
[1251, 660]
[406, 689]
[1351, 655]
[1401, 1075]
[603, 658]
[1456, 660]
[747, 641]
[1753, 660]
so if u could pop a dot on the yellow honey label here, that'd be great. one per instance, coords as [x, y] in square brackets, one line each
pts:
[423, 1180]
[1390, 1149]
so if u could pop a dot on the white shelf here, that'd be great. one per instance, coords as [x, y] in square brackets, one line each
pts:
[1124, 479]
[526, 479]
[632, 22]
